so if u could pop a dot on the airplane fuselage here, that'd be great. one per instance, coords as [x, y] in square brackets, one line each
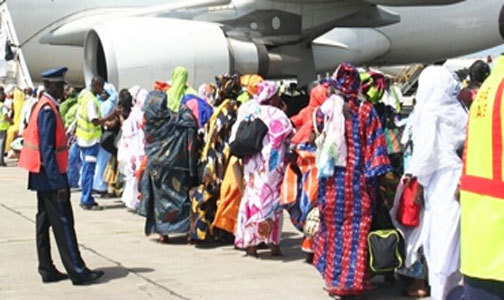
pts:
[424, 34]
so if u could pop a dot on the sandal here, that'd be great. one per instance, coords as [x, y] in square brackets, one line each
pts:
[417, 294]
[417, 290]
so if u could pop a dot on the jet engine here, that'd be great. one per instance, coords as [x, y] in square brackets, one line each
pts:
[137, 51]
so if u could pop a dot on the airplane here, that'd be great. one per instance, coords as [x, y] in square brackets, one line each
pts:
[135, 42]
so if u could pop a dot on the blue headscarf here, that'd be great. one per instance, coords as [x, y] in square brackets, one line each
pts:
[107, 106]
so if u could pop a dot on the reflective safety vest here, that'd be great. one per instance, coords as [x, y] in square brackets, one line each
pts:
[86, 130]
[4, 124]
[30, 157]
[482, 183]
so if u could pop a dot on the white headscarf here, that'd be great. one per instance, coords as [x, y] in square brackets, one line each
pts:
[439, 123]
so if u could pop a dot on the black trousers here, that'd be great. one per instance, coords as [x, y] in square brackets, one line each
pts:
[479, 289]
[57, 213]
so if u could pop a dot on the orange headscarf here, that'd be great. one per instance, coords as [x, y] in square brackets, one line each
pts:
[250, 81]
[161, 86]
[304, 119]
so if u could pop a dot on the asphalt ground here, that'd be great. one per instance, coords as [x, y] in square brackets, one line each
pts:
[137, 267]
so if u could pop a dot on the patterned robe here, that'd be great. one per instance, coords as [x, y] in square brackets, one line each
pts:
[345, 203]
[214, 161]
[300, 190]
[171, 148]
[263, 174]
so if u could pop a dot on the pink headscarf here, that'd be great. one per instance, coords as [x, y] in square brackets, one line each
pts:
[265, 91]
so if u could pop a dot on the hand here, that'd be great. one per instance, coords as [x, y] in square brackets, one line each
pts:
[118, 110]
[419, 195]
[408, 179]
[62, 194]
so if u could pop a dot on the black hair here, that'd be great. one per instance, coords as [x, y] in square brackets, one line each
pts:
[479, 71]
[99, 79]
[126, 102]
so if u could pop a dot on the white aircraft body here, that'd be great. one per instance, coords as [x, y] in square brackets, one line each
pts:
[138, 41]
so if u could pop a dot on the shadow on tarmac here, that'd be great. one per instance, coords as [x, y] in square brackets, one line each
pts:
[118, 272]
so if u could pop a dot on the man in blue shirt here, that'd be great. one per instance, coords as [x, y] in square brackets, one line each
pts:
[51, 185]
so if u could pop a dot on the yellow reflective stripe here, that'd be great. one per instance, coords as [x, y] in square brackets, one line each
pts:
[30, 146]
[34, 147]
[83, 128]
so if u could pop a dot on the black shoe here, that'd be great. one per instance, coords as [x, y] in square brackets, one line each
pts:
[89, 277]
[94, 206]
[54, 277]
[3, 165]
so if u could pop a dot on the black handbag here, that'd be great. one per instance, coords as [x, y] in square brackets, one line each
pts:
[9, 54]
[108, 139]
[249, 138]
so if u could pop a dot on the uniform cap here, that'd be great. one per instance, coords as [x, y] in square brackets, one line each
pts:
[55, 75]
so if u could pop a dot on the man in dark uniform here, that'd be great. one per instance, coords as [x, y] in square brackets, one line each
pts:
[51, 185]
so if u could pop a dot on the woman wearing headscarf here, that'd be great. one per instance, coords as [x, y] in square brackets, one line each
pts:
[108, 102]
[300, 184]
[207, 92]
[170, 173]
[179, 88]
[214, 161]
[112, 176]
[260, 215]
[249, 83]
[131, 149]
[199, 107]
[345, 198]
[439, 131]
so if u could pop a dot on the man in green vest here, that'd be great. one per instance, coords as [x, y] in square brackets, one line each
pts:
[5, 122]
[88, 134]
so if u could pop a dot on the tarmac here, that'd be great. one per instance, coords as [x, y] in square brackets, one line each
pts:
[137, 267]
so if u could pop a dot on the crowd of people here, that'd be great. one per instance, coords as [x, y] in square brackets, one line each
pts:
[223, 162]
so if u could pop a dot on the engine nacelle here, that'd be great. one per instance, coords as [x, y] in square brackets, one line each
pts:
[138, 51]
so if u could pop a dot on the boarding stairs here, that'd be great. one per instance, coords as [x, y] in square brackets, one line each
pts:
[408, 78]
[17, 70]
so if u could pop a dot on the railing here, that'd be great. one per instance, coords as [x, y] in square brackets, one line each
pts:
[23, 78]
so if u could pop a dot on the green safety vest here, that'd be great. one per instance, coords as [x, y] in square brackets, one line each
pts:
[86, 130]
[4, 124]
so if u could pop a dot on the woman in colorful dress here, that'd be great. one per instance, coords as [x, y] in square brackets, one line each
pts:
[171, 166]
[300, 185]
[260, 215]
[214, 160]
[112, 176]
[345, 199]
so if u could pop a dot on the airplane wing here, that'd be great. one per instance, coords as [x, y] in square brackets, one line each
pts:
[385, 2]
[412, 2]
[73, 30]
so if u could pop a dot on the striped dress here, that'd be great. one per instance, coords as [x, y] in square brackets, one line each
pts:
[345, 203]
